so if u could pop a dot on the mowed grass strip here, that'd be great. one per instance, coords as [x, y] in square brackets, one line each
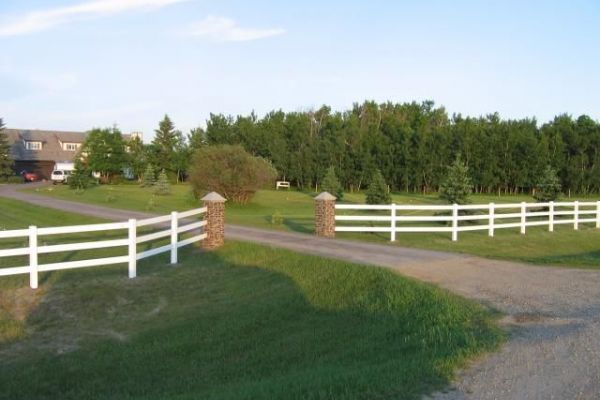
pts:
[564, 247]
[244, 322]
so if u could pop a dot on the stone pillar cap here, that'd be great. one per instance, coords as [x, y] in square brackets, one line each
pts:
[213, 196]
[325, 196]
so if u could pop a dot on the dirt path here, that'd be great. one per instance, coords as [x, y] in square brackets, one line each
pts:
[553, 313]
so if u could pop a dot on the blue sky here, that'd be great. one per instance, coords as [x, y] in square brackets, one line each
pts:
[77, 64]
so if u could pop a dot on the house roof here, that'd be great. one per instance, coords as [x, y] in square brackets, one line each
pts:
[52, 149]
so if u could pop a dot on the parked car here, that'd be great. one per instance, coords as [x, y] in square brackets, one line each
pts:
[30, 176]
[60, 176]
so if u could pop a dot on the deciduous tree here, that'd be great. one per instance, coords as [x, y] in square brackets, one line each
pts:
[104, 152]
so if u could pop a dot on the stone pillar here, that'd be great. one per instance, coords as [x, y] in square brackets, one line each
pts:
[215, 221]
[325, 215]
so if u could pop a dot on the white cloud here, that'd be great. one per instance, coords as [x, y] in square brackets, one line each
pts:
[223, 29]
[36, 21]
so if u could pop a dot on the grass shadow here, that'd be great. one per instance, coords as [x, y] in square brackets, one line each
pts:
[244, 322]
[295, 226]
[588, 259]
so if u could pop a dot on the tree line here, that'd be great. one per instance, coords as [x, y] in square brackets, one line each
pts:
[111, 155]
[412, 144]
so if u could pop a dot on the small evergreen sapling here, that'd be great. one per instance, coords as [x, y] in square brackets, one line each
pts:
[548, 188]
[81, 178]
[149, 178]
[162, 187]
[331, 184]
[277, 218]
[457, 186]
[377, 192]
[151, 204]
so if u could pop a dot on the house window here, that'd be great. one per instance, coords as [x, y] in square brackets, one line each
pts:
[33, 145]
[71, 146]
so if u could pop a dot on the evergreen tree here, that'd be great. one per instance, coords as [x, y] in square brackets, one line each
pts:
[331, 184]
[81, 178]
[377, 192]
[548, 187]
[162, 187]
[457, 186]
[6, 161]
[166, 141]
[149, 178]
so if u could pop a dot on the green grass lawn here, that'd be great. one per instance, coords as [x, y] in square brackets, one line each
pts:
[564, 247]
[244, 322]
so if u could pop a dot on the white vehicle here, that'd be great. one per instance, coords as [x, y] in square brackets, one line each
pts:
[64, 166]
[60, 176]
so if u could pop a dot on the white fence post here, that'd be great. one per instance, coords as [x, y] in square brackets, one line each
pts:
[33, 257]
[174, 237]
[132, 248]
[598, 214]
[491, 222]
[551, 217]
[454, 222]
[523, 217]
[576, 215]
[393, 224]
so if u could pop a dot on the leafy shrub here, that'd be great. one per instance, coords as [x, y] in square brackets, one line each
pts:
[110, 196]
[162, 186]
[117, 180]
[276, 218]
[230, 171]
[377, 192]
[331, 184]
[14, 179]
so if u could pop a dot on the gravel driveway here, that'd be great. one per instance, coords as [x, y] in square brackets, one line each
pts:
[553, 314]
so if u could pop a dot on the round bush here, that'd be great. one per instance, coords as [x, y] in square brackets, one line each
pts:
[230, 171]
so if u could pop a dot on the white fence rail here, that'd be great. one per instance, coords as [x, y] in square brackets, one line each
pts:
[459, 218]
[131, 241]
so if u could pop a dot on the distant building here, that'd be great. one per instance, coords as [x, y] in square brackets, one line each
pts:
[138, 135]
[39, 150]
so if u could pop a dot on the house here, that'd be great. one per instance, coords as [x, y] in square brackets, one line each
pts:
[38, 151]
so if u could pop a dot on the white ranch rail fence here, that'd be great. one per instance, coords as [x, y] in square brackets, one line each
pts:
[130, 241]
[494, 216]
